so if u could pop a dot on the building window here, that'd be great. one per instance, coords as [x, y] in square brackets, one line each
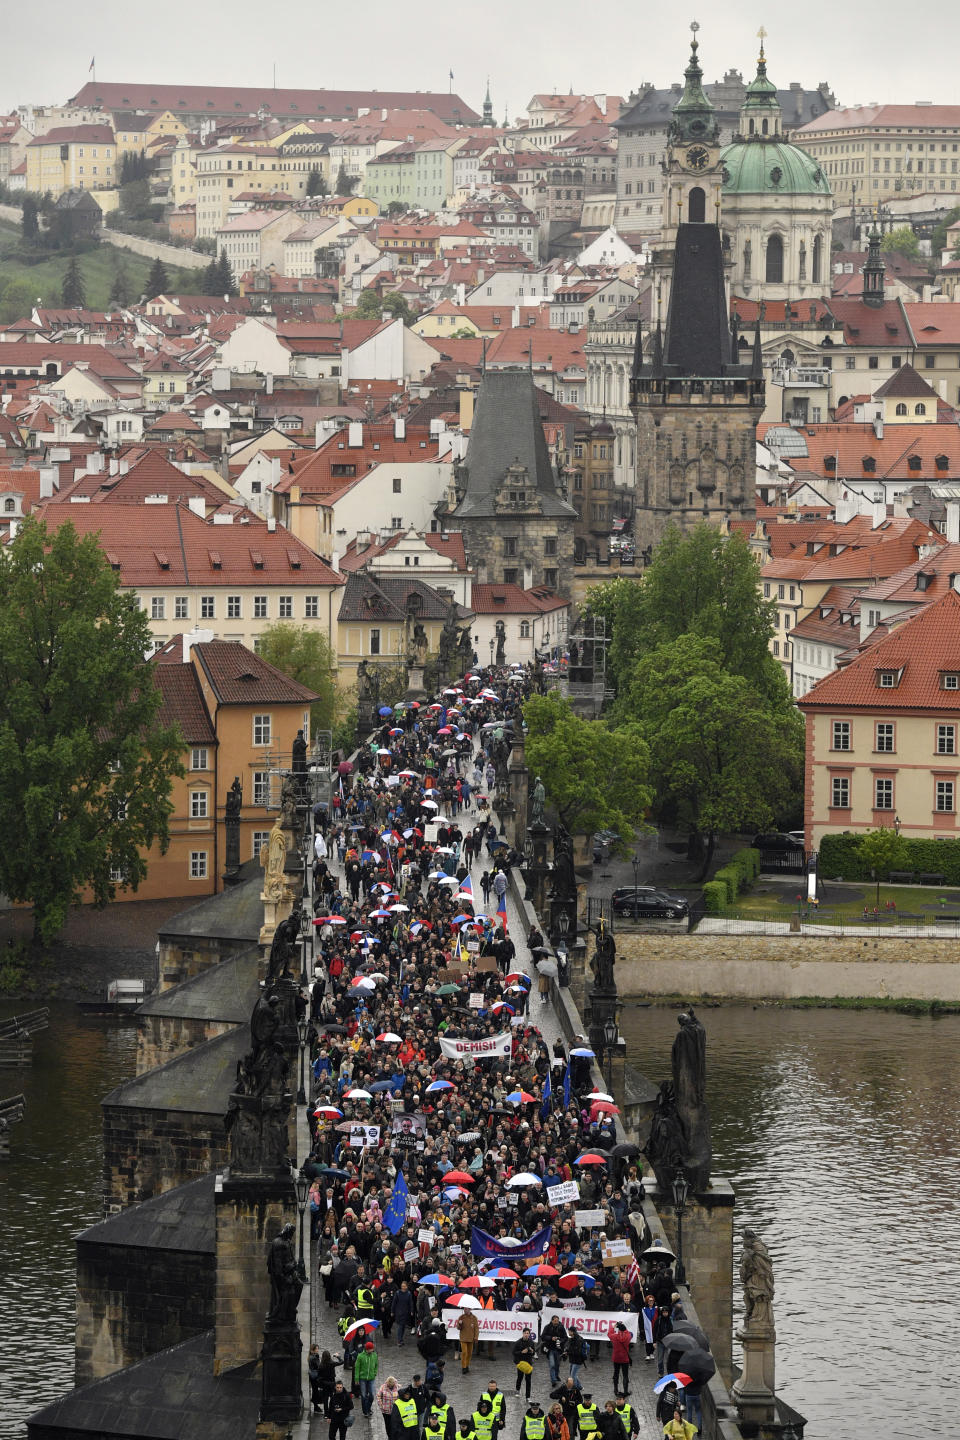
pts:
[374, 642]
[181, 607]
[885, 737]
[524, 629]
[234, 607]
[198, 758]
[883, 794]
[945, 796]
[198, 864]
[262, 727]
[946, 739]
[198, 804]
[840, 792]
[550, 579]
[261, 787]
[774, 260]
[951, 681]
[311, 607]
[509, 577]
[259, 607]
[260, 838]
[396, 484]
[550, 545]
[766, 589]
[286, 607]
[208, 607]
[841, 735]
[510, 545]
[776, 648]
[158, 608]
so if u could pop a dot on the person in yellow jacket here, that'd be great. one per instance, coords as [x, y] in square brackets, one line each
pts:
[678, 1428]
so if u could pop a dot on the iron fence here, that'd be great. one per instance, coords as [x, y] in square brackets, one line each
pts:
[822, 922]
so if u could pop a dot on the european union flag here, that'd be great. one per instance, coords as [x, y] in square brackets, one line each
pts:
[566, 1086]
[547, 1095]
[395, 1215]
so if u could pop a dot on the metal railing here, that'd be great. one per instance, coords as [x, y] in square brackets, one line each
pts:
[809, 921]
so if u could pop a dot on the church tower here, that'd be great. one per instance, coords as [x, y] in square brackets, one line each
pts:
[873, 270]
[693, 175]
[487, 118]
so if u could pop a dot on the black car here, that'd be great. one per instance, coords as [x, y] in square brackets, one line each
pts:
[776, 840]
[646, 901]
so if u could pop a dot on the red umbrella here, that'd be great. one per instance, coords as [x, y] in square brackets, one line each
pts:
[477, 1282]
[569, 1281]
[603, 1107]
[591, 1158]
[458, 1177]
[542, 1270]
[345, 767]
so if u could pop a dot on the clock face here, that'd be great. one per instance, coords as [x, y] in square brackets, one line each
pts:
[698, 158]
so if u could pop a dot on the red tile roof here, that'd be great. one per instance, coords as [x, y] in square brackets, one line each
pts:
[513, 600]
[182, 697]
[919, 651]
[150, 474]
[448, 544]
[860, 117]
[76, 134]
[939, 571]
[833, 621]
[872, 326]
[845, 445]
[934, 324]
[239, 677]
[314, 473]
[246, 100]
[855, 550]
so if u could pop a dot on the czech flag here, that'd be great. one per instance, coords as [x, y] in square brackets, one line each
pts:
[502, 910]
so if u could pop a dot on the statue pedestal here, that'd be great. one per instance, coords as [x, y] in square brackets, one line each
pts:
[276, 907]
[281, 1397]
[249, 1210]
[754, 1391]
[707, 1258]
[416, 690]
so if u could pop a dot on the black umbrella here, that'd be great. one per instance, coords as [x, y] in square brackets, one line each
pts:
[333, 1029]
[626, 1151]
[696, 1363]
[658, 1252]
[681, 1343]
[687, 1327]
[331, 1170]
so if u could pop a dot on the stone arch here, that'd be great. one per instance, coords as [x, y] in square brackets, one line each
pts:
[774, 259]
[697, 205]
[816, 265]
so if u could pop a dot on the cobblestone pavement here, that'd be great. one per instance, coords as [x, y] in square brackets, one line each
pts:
[463, 1391]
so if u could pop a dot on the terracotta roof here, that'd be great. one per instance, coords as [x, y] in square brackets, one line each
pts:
[151, 474]
[76, 134]
[252, 220]
[834, 621]
[247, 100]
[513, 600]
[918, 652]
[881, 117]
[553, 350]
[934, 324]
[855, 550]
[872, 326]
[183, 699]
[922, 581]
[840, 450]
[448, 544]
[775, 310]
[315, 474]
[239, 677]
[468, 352]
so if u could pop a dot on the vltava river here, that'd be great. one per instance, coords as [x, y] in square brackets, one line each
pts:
[839, 1133]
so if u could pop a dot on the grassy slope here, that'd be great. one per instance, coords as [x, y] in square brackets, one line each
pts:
[99, 268]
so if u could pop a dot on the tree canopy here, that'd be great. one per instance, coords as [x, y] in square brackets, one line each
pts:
[316, 185]
[882, 850]
[73, 292]
[903, 240]
[939, 238]
[345, 184]
[304, 655]
[85, 765]
[158, 281]
[596, 777]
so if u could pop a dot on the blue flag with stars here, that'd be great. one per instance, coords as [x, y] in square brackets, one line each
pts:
[566, 1086]
[547, 1095]
[395, 1215]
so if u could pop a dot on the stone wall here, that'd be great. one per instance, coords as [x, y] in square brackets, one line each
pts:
[135, 1301]
[708, 1259]
[250, 1214]
[786, 967]
[180, 958]
[147, 1152]
[163, 1037]
[152, 249]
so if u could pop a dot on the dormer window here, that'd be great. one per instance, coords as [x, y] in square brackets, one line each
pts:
[942, 462]
[869, 463]
[889, 679]
[949, 680]
[914, 462]
[830, 462]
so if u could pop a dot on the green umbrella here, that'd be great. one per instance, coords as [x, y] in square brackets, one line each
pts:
[447, 990]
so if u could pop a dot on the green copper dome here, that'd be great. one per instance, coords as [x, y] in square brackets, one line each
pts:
[761, 91]
[767, 165]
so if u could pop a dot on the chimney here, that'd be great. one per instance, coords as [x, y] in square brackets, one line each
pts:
[953, 522]
[46, 482]
[197, 506]
[123, 466]
[878, 510]
[354, 434]
[878, 425]
[268, 383]
[527, 577]
[399, 428]
[271, 523]
[195, 637]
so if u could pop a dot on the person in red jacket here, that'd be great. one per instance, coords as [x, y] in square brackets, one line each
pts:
[621, 1340]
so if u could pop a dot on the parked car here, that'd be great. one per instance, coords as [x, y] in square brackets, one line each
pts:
[647, 901]
[776, 840]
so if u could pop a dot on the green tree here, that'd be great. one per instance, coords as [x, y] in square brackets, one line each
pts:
[902, 240]
[396, 207]
[121, 290]
[85, 765]
[158, 281]
[16, 300]
[210, 280]
[207, 245]
[723, 758]
[595, 777]
[73, 292]
[346, 184]
[939, 238]
[316, 185]
[30, 224]
[305, 655]
[882, 851]
[135, 200]
[227, 284]
[705, 584]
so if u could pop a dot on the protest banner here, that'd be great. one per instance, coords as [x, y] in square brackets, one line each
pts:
[412, 1252]
[490, 1047]
[488, 1247]
[494, 1324]
[475, 1002]
[406, 1131]
[594, 1324]
[587, 1219]
[560, 1194]
[616, 1252]
[366, 1137]
[426, 1237]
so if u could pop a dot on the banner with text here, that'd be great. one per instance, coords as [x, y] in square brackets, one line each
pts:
[593, 1324]
[563, 1193]
[494, 1324]
[490, 1248]
[491, 1047]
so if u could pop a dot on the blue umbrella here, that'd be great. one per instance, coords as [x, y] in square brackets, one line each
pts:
[588, 1054]
[440, 1085]
[385, 710]
[379, 1085]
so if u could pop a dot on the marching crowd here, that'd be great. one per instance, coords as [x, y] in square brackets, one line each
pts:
[441, 1119]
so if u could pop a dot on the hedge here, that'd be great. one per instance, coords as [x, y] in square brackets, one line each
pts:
[840, 857]
[739, 873]
[715, 897]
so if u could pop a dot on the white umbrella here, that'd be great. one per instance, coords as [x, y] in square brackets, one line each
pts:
[449, 880]
[600, 1095]
[400, 909]
[527, 1178]
[429, 805]
[358, 1095]
[464, 1302]
[388, 1038]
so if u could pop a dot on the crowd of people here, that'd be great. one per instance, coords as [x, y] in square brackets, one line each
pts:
[431, 1161]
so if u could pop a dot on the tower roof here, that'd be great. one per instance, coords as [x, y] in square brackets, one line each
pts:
[761, 92]
[507, 431]
[698, 334]
[694, 117]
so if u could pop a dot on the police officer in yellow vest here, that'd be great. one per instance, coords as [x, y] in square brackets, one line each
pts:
[586, 1416]
[441, 1414]
[363, 1301]
[628, 1418]
[404, 1420]
[484, 1421]
[534, 1425]
[433, 1430]
[498, 1402]
[466, 1431]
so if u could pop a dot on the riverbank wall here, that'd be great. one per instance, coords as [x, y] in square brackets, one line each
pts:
[788, 967]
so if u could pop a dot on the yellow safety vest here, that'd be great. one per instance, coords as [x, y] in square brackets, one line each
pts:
[407, 1411]
[483, 1424]
[433, 1432]
[535, 1426]
[626, 1415]
[439, 1413]
[496, 1402]
[587, 1418]
[364, 1299]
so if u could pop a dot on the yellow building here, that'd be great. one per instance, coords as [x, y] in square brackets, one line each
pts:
[164, 378]
[72, 157]
[883, 747]
[875, 153]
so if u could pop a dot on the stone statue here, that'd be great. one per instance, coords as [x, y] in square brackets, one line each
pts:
[538, 798]
[264, 1025]
[243, 1132]
[283, 948]
[603, 958]
[465, 646]
[564, 874]
[285, 1282]
[299, 762]
[500, 630]
[664, 1148]
[689, 1065]
[448, 641]
[273, 858]
[289, 795]
[234, 800]
[417, 649]
[756, 1276]
[364, 682]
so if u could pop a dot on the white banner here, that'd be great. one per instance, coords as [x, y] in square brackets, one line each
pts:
[562, 1193]
[593, 1324]
[365, 1137]
[492, 1046]
[494, 1324]
[586, 1219]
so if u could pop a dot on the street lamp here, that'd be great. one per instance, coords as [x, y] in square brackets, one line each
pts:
[896, 823]
[610, 1037]
[303, 1190]
[635, 862]
[491, 651]
[681, 1190]
[563, 959]
[303, 1026]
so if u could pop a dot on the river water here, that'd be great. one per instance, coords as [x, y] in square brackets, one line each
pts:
[838, 1130]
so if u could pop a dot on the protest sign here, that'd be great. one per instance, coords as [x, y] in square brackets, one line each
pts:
[366, 1137]
[426, 1237]
[616, 1252]
[560, 1194]
[587, 1219]
[594, 1324]
[475, 1002]
[490, 1047]
[494, 1324]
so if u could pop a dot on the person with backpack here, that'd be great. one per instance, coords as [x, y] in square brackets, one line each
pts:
[576, 1351]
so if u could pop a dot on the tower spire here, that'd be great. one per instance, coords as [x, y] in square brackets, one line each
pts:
[694, 118]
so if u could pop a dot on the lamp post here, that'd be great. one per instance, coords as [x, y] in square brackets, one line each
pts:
[302, 1028]
[635, 862]
[563, 959]
[681, 1190]
[491, 652]
[303, 1190]
[896, 823]
[610, 1037]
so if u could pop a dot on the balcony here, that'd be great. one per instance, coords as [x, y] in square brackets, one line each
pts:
[797, 375]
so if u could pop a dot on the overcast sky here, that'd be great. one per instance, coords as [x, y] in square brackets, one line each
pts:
[877, 51]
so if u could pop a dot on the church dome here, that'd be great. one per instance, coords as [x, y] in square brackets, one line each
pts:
[766, 165]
